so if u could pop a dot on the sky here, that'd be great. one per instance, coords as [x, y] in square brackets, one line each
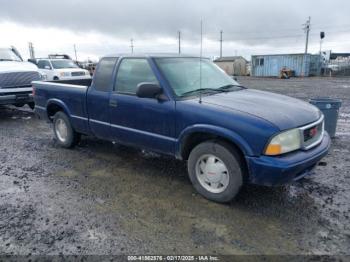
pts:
[96, 28]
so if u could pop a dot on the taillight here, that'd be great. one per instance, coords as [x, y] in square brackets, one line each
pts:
[33, 91]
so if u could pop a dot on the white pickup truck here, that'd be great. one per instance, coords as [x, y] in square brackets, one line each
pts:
[16, 77]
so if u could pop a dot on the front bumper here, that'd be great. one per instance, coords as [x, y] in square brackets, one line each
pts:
[270, 171]
[11, 96]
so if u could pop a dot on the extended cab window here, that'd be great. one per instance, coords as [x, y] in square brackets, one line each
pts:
[103, 74]
[131, 72]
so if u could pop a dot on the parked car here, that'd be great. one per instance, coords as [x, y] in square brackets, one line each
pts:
[61, 69]
[191, 110]
[15, 78]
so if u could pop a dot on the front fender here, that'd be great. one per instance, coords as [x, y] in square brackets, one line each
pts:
[214, 130]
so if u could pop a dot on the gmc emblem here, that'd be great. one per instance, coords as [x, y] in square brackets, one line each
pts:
[313, 132]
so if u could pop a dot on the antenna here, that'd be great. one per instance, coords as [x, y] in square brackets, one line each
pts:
[200, 64]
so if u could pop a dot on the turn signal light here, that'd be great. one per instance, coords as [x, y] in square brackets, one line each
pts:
[273, 150]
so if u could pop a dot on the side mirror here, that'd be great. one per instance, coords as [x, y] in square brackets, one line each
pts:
[148, 90]
[47, 67]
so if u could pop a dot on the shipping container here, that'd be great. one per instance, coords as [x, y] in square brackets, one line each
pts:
[271, 65]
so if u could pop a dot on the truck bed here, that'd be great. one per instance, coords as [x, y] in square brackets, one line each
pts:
[69, 94]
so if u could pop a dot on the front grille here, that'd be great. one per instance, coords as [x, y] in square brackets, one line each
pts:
[80, 73]
[312, 134]
[18, 79]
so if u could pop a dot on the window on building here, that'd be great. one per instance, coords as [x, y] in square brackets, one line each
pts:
[259, 61]
[104, 73]
[131, 72]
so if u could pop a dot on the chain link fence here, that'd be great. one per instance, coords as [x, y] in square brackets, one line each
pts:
[338, 67]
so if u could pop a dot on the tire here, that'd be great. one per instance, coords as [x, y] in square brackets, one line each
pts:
[31, 105]
[64, 132]
[213, 161]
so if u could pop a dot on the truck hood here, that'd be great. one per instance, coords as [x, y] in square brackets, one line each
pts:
[282, 111]
[15, 66]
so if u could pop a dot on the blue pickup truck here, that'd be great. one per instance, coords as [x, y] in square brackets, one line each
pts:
[188, 108]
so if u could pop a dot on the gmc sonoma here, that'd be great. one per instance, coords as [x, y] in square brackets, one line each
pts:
[188, 108]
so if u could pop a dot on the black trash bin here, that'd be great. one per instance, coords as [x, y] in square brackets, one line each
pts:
[330, 109]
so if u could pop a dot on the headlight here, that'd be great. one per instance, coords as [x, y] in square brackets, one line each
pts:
[43, 76]
[87, 73]
[284, 142]
[64, 74]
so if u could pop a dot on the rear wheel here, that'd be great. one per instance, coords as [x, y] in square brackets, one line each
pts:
[216, 171]
[63, 130]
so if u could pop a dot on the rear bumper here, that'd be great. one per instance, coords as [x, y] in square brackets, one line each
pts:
[270, 171]
[12, 96]
[74, 77]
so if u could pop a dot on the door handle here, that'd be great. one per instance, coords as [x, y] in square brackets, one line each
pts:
[113, 103]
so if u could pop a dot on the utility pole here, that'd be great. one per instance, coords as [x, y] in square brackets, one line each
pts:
[75, 52]
[132, 45]
[179, 36]
[31, 50]
[306, 28]
[220, 43]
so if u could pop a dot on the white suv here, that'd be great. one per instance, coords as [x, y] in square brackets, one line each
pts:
[61, 69]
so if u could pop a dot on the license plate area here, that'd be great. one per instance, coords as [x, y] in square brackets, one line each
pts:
[22, 97]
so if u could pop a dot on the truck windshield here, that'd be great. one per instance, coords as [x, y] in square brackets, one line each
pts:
[63, 63]
[185, 78]
[7, 55]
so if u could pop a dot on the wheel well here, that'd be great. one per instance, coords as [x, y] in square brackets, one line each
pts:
[52, 109]
[196, 138]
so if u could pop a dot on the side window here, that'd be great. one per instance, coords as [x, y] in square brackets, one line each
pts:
[131, 72]
[104, 73]
[43, 63]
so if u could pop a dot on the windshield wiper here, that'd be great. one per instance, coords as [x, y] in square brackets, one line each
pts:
[226, 87]
[204, 90]
[6, 59]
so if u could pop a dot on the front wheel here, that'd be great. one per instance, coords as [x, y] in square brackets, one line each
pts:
[216, 171]
[63, 130]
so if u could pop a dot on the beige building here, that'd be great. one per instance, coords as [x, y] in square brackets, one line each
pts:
[233, 65]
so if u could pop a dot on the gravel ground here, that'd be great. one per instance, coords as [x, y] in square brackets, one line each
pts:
[101, 198]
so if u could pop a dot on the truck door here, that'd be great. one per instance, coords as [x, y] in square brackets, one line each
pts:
[98, 98]
[144, 122]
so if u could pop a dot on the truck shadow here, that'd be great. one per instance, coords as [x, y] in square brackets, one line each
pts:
[12, 112]
[158, 168]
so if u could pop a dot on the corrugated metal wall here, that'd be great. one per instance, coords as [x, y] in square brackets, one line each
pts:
[273, 64]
